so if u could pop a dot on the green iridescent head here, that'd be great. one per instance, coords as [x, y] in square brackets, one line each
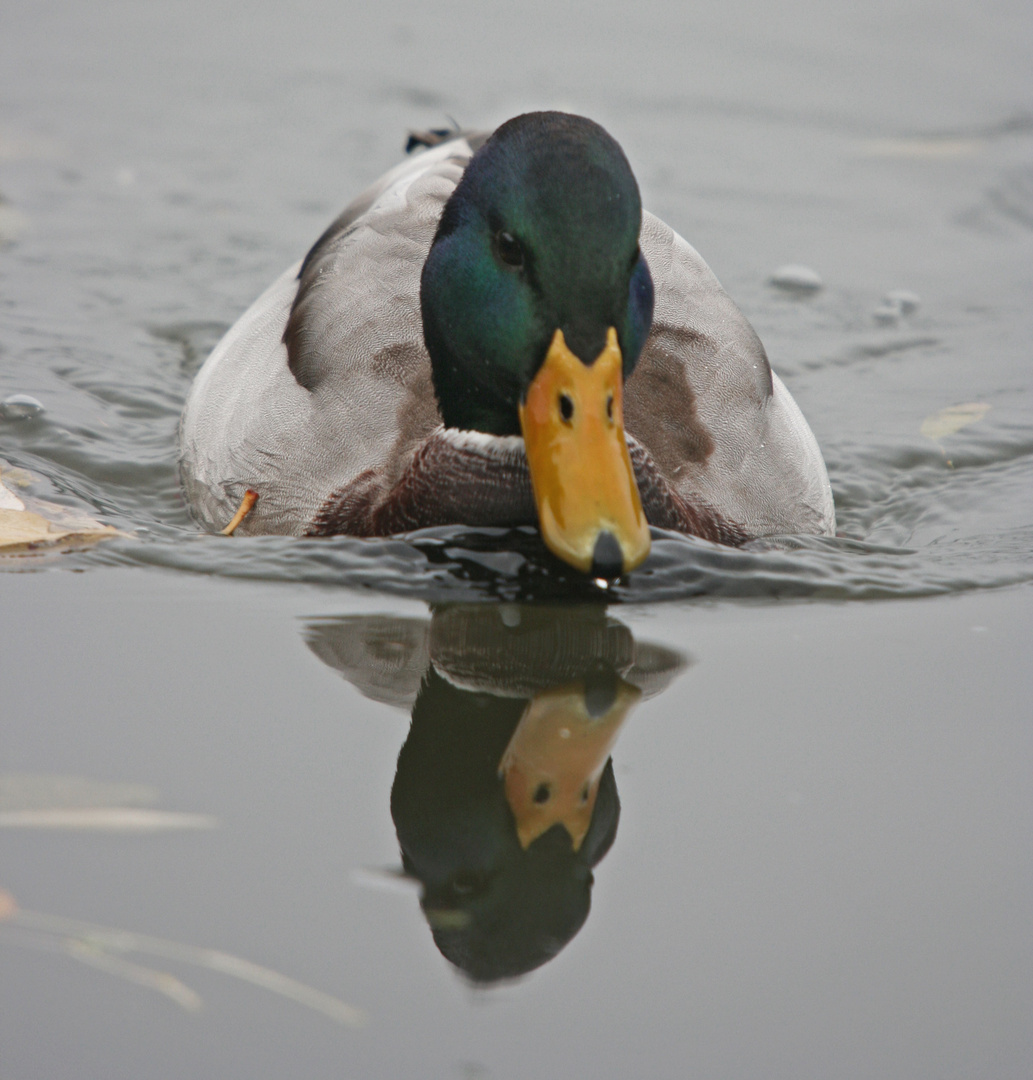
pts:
[541, 234]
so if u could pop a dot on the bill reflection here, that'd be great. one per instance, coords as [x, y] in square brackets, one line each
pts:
[504, 798]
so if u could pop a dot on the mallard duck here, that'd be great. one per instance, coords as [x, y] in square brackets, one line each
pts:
[504, 797]
[495, 333]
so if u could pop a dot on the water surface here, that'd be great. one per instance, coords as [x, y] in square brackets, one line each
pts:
[810, 856]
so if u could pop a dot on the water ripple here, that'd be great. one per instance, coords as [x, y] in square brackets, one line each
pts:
[913, 522]
[437, 565]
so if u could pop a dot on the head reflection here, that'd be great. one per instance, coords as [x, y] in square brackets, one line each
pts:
[504, 798]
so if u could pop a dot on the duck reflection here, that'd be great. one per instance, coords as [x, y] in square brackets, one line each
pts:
[504, 798]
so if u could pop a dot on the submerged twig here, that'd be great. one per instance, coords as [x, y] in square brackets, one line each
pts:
[101, 947]
[161, 981]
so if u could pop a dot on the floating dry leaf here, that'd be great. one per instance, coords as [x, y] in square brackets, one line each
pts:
[952, 419]
[27, 146]
[30, 525]
[8, 905]
[23, 532]
[19, 477]
[919, 149]
[10, 501]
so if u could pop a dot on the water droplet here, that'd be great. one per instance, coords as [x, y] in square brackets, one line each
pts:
[20, 407]
[796, 278]
[904, 299]
[894, 305]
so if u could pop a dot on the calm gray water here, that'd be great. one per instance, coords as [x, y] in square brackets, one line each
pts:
[811, 857]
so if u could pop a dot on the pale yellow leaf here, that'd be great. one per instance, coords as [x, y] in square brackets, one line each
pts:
[23, 532]
[8, 499]
[952, 419]
[928, 149]
[19, 477]
[8, 905]
[32, 525]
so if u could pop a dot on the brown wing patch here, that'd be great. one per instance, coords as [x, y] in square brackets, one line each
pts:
[659, 403]
[402, 362]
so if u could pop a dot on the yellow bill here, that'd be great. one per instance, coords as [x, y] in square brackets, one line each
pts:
[572, 420]
[553, 763]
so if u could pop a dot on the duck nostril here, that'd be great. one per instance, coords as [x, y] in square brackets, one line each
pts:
[607, 557]
[566, 408]
[609, 407]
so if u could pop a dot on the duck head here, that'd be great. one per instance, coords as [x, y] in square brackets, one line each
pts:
[536, 303]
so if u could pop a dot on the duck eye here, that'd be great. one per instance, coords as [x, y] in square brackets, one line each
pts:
[566, 408]
[510, 250]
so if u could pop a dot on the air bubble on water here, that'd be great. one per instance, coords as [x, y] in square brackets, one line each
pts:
[904, 299]
[796, 278]
[20, 407]
[894, 306]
